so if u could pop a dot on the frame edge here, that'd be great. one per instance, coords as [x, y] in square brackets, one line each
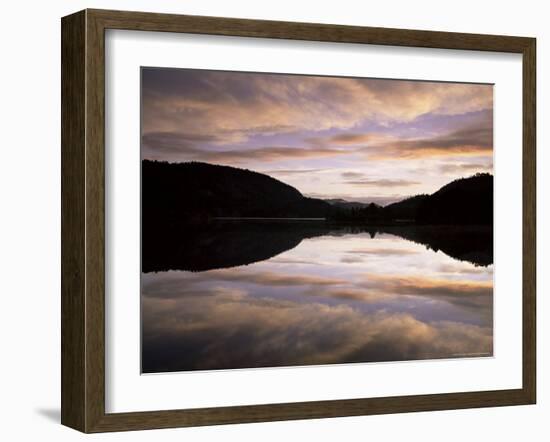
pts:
[73, 253]
[529, 220]
[83, 187]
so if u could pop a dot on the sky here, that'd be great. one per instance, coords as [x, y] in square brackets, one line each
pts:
[359, 139]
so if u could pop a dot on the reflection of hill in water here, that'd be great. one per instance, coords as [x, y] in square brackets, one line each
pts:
[222, 245]
[230, 244]
[465, 243]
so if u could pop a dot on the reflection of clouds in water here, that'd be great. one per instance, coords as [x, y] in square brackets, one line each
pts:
[384, 251]
[273, 278]
[460, 267]
[418, 285]
[282, 260]
[358, 255]
[472, 298]
[230, 330]
[316, 304]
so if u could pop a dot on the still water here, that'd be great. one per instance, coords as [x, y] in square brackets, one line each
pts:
[226, 299]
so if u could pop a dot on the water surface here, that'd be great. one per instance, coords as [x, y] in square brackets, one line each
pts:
[261, 295]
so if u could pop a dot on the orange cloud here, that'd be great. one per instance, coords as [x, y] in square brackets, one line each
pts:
[351, 139]
[234, 105]
[468, 168]
[187, 148]
[472, 140]
[382, 182]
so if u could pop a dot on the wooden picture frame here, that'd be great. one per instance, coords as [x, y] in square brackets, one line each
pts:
[83, 220]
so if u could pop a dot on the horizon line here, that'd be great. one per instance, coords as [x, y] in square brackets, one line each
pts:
[324, 197]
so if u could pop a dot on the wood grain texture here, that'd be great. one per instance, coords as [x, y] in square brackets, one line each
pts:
[144, 21]
[83, 220]
[95, 222]
[308, 410]
[529, 220]
[73, 129]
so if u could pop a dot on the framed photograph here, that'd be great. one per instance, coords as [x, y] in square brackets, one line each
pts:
[269, 220]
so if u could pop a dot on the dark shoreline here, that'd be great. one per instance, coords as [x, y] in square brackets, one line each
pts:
[232, 243]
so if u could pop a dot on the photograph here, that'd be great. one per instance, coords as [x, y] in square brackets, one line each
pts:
[299, 220]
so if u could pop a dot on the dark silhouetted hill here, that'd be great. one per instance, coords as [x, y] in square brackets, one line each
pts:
[368, 214]
[194, 192]
[466, 201]
[463, 201]
[406, 210]
[181, 201]
[224, 244]
[344, 204]
[175, 194]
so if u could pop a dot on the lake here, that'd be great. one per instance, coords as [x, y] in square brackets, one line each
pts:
[253, 294]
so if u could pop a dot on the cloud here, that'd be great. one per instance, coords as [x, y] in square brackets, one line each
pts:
[470, 139]
[351, 259]
[234, 106]
[360, 179]
[350, 139]
[382, 200]
[466, 168]
[382, 182]
[157, 145]
[357, 138]
[474, 140]
[268, 154]
[187, 147]
[291, 172]
[352, 175]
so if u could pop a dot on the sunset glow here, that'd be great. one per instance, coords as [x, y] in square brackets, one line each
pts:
[367, 140]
